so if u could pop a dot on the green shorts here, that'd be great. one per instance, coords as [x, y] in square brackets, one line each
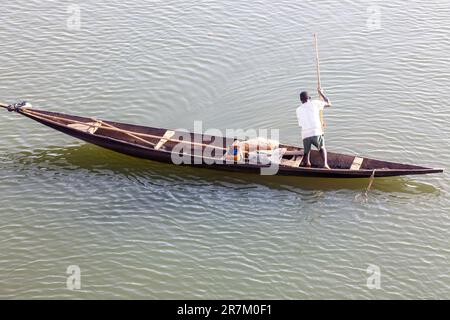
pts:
[317, 141]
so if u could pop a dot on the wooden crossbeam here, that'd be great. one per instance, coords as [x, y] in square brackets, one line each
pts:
[90, 127]
[357, 162]
[292, 163]
[166, 137]
[107, 126]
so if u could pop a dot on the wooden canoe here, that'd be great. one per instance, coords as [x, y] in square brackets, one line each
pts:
[158, 144]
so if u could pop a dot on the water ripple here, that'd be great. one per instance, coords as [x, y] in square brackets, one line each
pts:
[139, 229]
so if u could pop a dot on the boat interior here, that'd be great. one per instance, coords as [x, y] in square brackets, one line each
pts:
[213, 146]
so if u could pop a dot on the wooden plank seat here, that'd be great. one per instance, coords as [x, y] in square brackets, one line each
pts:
[357, 162]
[167, 135]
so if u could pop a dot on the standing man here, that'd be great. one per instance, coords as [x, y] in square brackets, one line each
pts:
[308, 115]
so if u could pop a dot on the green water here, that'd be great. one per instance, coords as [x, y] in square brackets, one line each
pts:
[139, 229]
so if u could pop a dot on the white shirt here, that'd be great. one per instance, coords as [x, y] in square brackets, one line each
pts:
[308, 115]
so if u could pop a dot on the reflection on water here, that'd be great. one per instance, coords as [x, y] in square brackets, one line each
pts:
[100, 161]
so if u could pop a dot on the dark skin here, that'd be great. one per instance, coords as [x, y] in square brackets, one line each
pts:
[322, 151]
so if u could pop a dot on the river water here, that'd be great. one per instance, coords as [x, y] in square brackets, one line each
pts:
[139, 229]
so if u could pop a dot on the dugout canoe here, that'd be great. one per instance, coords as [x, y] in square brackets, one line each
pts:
[161, 145]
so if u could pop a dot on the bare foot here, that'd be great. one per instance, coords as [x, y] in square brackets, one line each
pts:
[308, 165]
[327, 167]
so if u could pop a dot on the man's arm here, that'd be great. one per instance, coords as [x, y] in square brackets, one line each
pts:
[327, 101]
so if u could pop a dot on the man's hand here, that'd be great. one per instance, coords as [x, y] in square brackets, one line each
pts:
[320, 91]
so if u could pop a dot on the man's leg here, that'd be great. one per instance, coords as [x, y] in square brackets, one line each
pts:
[323, 152]
[306, 152]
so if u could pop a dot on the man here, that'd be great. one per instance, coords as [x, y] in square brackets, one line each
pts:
[308, 115]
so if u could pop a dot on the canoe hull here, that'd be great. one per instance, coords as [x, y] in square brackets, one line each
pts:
[144, 152]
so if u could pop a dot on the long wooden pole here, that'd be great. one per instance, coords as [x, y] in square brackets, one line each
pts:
[127, 133]
[106, 126]
[317, 64]
[112, 128]
[319, 86]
